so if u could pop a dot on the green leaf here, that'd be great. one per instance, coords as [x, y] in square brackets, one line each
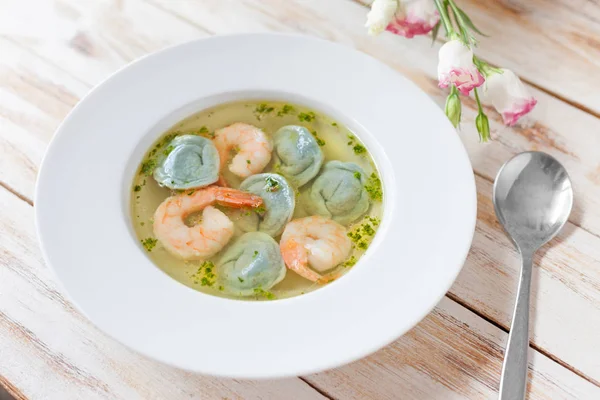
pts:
[468, 22]
[434, 32]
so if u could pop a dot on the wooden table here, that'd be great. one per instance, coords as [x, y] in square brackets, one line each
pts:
[53, 52]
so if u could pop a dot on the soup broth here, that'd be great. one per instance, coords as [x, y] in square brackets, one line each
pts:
[336, 142]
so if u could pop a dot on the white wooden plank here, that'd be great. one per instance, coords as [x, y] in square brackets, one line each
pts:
[565, 35]
[562, 130]
[50, 351]
[452, 354]
[556, 134]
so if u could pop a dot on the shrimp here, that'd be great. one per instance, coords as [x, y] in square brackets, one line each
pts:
[253, 145]
[316, 242]
[211, 234]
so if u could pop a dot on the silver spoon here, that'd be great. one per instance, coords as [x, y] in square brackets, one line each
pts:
[533, 199]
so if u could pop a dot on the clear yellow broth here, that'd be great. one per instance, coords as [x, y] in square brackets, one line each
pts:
[337, 143]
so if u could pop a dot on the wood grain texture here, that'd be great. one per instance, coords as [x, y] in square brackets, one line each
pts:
[464, 359]
[564, 33]
[50, 351]
[43, 73]
[491, 271]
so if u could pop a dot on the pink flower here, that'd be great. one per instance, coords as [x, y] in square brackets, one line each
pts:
[381, 14]
[416, 17]
[508, 95]
[455, 66]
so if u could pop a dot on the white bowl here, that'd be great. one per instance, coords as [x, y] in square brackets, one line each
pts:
[83, 222]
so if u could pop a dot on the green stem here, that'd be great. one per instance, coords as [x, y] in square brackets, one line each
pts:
[444, 17]
[478, 101]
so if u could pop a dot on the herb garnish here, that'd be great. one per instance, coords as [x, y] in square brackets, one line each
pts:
[149, 243]
[362, 234]
[262, 109]
[307, 117]
[357, 147]
[373, 187]
[205, 275]
[263, 293]
[286, 109]
[272, 184]
[320, 141]
[148, 167]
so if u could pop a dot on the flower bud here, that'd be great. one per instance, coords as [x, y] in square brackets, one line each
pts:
[483, 126]
[453, 107]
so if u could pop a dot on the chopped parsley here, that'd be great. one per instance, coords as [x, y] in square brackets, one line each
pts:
[168, 150]
[137, 188]
[263, 293]
[149, 243]
[148, 167]
[255, 254]
[205, 275]
[248, 162]
[320, 141]
[357, 175]
[262, 109]
[373, 187]
[359, 148]
[240, 279]
[203, 131]
[141, 224]
[363, 233]
[221, 288]
[334, 124]
[307, 117]
[260, 210]
[286, 109]
[272, 184]
[350, 262]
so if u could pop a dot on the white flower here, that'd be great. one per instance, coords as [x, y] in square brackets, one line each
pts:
[414, 17]
[381, 14]
[456, 67]
[508, 95]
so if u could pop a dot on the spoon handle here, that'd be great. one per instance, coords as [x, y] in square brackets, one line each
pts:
[514, 370]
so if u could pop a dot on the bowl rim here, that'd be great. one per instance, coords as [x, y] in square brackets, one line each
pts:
[454, 157]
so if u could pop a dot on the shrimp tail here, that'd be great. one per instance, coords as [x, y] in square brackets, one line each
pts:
[236, 198]
[296, 259]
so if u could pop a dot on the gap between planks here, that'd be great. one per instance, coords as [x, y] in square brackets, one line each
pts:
[534, 346]
[449, 294]
[7, 388]
[549, 92]
[317, 389]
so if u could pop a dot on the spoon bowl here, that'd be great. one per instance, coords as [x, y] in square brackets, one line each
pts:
[533, 198]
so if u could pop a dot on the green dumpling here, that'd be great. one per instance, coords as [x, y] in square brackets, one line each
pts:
[297, 154]
[191, 162]
[339, 192]
[279, 201]
[252, 262]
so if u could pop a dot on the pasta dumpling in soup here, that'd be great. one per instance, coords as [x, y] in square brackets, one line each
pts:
[188, 161]
[339, 192]
[298, 155]
[252, 263]
[279, 202]
[256, 200]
